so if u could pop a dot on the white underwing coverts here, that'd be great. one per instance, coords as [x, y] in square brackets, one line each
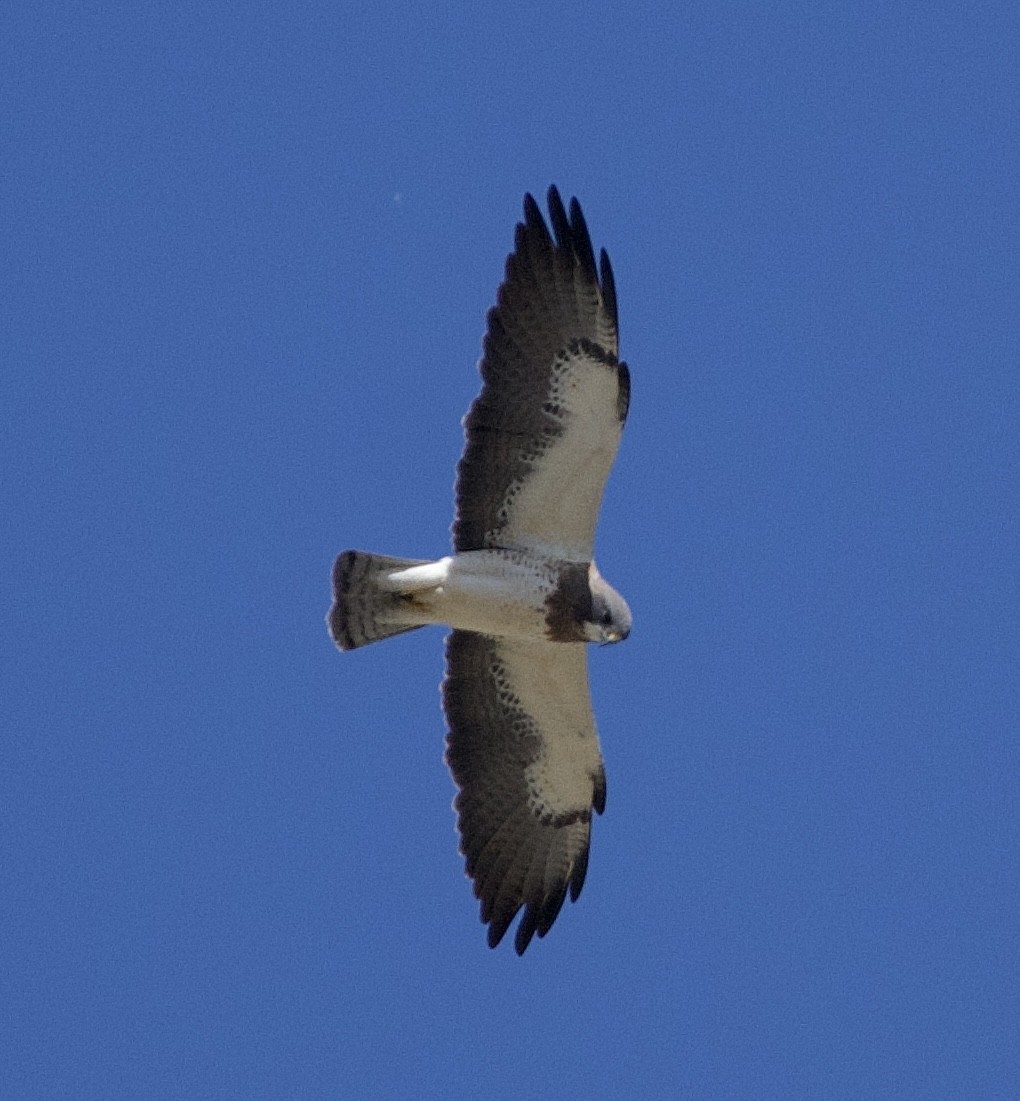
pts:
[521, 590]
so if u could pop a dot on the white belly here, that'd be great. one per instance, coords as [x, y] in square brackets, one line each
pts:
[489, 591]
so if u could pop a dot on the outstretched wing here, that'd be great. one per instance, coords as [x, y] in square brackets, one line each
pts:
[523, 750]
[543, 433]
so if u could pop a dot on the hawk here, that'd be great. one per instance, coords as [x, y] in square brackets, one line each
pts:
[521, 591]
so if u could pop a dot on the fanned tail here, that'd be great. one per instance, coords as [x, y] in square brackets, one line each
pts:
[363, 611]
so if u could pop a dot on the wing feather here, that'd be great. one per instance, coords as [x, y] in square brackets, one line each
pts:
[523, 751]
[542, 434]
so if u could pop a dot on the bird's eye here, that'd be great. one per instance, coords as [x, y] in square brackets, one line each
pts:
[606, 618]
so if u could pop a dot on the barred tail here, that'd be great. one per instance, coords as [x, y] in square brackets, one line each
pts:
[363, 611]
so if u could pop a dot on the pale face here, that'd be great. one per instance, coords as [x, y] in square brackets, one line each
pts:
[610, 620]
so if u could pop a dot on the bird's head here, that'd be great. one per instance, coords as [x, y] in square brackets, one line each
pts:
[610, 616]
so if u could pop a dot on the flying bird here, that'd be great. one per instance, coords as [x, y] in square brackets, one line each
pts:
[521, 591]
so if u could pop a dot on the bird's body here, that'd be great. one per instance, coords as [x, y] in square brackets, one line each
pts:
[504, 593]
[521, 591]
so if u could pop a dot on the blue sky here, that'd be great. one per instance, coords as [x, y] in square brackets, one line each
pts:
[249, 251]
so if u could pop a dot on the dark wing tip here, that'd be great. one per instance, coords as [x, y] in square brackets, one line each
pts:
[498, 926]
[533, 221]
[581, 239]
[598, 795]
[570, 234]
[558, 217]
[525, 931]
[540, 913]
[579, 875]
[539, 918]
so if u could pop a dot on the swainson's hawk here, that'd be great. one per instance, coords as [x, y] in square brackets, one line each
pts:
[521, 590]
